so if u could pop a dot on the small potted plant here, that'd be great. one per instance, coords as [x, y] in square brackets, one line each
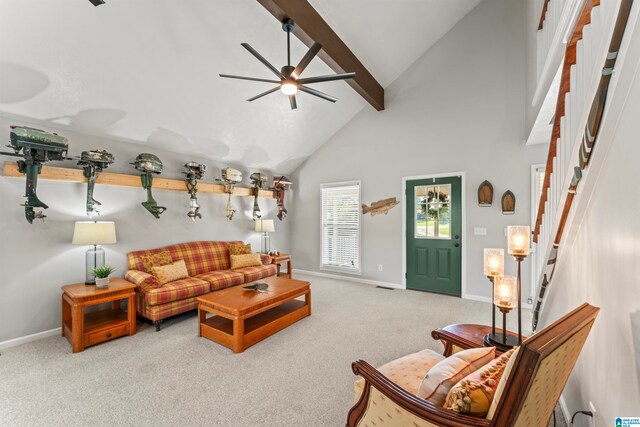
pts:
[102, 275]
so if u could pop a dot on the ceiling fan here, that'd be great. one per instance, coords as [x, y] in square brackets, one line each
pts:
[290, 82]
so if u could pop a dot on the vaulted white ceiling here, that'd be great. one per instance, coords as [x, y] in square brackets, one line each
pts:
[146, 71]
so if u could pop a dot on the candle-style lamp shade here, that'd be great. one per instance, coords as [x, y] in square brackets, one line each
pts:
[505, 293]
[265, 226]
[518, 240]
[94, 233]
[493, 262]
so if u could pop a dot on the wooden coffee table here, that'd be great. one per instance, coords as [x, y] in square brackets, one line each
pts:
[243, 318]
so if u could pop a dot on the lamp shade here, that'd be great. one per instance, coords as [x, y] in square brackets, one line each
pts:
[518, 239]
[505, 292]
[94, 233]
[265, 226]
[493, 262]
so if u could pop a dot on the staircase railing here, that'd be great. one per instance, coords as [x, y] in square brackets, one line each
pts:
[589, 60]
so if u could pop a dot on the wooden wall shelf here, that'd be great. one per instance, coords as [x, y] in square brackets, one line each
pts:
[53, 173]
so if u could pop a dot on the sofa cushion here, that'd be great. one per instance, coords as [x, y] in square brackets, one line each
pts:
[258, 272]
[175, 291]
[245, 260]
[155, 260]
[222, 279]
[474, 393]
[447, 373]
[502, 383]
[407, 372]
[200, 257]
[239, 248]
[170, 272]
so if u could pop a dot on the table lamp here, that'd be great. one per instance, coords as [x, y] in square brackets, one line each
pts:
[493, 268]
[505, 298]
[265, 226]
[518, 240]
[94, 233]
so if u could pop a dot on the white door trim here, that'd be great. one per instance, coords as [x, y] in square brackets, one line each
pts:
[463, 265]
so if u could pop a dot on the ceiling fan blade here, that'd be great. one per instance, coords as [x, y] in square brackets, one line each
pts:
[261, 59]
[292, 101]
[317, 93]
[264, 93]
[328, 78]
[253, 79]
[306, 59]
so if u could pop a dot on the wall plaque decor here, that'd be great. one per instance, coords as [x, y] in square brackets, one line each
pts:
[37, 147]
[194, 172]
[485, 194]
[380, 207]
[508, 203]
[149, 164]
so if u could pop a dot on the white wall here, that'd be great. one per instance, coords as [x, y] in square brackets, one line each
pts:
[601, 267]
[460, 107]
[36, 259]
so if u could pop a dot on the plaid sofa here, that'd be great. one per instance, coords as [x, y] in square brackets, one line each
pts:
[208, 265]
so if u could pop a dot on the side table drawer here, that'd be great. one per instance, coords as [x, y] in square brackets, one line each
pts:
[106, 335]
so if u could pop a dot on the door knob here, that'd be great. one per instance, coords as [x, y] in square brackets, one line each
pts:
[457, 245]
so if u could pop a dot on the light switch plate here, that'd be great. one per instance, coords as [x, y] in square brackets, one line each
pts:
[480, 231]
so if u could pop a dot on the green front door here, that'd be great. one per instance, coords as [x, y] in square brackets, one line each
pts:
[434, 235]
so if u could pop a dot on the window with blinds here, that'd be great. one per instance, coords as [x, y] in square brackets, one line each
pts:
[341, 227]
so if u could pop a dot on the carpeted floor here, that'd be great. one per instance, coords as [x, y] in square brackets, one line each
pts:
[301, 376]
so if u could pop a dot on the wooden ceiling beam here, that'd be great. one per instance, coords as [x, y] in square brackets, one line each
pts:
[310, 28]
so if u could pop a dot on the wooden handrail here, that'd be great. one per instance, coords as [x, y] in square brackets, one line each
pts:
[543, 15]
[589, 139]
[54, 173]
[565, 87]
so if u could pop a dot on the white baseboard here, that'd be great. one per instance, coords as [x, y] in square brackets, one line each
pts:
[29, 338]
[565, 410]
[350, 279]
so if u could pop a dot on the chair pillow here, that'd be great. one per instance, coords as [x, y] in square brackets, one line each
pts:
[474, 393]
[445, 374]
[156, 260]
[502, 383]
[239, 248]
[171, 272]
[245, 260]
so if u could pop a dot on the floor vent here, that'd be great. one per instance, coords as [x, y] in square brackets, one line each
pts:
[384, 287]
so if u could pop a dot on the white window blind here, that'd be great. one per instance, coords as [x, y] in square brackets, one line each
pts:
[341, 227]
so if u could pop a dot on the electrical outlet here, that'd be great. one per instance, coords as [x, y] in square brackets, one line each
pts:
[379, 267]
[593, 417]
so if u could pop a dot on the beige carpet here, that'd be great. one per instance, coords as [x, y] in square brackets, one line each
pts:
[299, 377]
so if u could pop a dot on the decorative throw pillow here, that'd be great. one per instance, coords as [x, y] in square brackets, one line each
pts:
[502, 383]
[439, 380]
[239, 248]
[156, 260]
[246, 260]
[474, 393]
[169, 273]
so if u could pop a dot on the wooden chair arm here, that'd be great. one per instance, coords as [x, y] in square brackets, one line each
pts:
[409, 402]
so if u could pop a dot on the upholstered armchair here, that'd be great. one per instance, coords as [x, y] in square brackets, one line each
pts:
[526, 395]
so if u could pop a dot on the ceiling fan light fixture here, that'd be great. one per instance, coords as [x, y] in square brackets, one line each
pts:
[289, 88]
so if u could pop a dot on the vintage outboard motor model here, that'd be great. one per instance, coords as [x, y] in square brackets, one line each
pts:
[194, 172]
[149, 164]
[258, 180]
[280, 185]
[230, 177]
[93, 162]
[36, 147]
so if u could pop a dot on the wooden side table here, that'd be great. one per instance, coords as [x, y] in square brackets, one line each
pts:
[464, 336]
[282, 259]
[83, 330]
